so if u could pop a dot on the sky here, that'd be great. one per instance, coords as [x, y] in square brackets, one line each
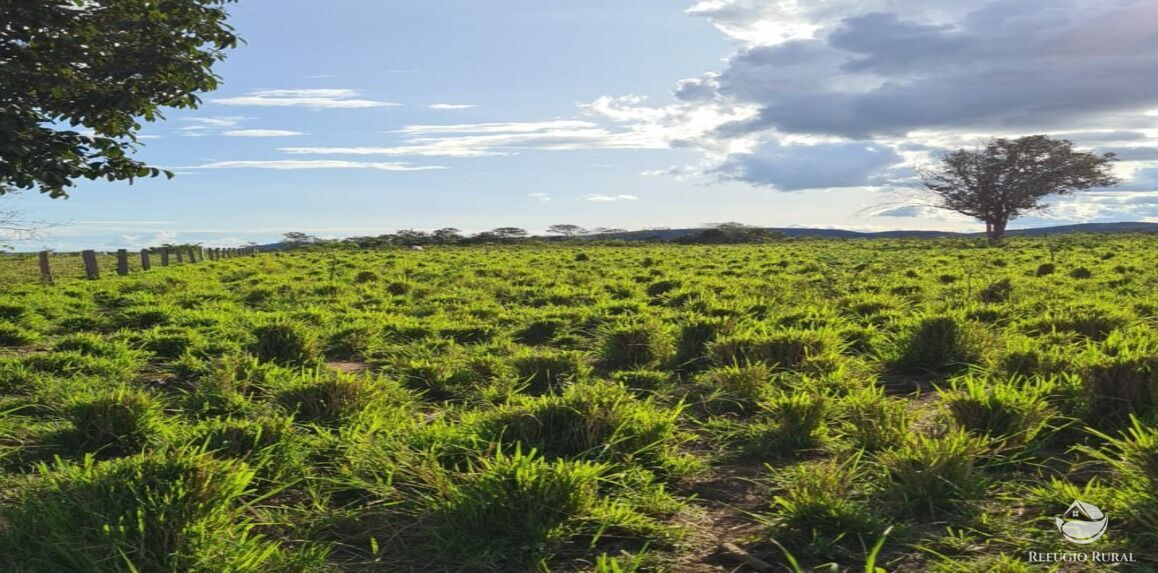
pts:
[364, 117]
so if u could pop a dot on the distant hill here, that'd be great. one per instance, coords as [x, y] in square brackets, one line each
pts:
[1124, 227]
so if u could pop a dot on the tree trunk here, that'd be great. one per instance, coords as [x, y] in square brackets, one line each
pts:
[995, 231]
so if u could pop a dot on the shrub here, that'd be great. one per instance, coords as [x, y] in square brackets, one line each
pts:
[1081, 273]
[117, 421]
[140, 318]
[1045, 269]
[286, 343]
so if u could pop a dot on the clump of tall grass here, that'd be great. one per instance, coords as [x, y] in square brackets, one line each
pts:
[544, 370]
[788, 348]
[871, 420]
[591, 421]
[176, 511]
[643, 381]
[171, 342]
[692, 340]
[13, 335]
[332, 398]
[1133, 457]
[997, 291]
[1025, 356]
[735, 388]
[286, 343]
[938, 344]
[788, 423]
[507, 511]
[1120, 377]
[117, 421]
[1012, 412]
[632, 345]
[934, 473]
[822, 506]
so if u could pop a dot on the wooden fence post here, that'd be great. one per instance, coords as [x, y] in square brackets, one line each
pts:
[164, 256]
[145, 264]
[180, 257]
[45, 270]
[122, 262]
[91, 270]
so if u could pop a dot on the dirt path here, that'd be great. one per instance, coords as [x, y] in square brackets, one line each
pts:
[725, 501]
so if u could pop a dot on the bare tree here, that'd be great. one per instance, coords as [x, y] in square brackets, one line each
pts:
[1009, 177]
[15, 226]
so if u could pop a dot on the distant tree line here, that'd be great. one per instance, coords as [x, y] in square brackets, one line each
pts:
[715, 234]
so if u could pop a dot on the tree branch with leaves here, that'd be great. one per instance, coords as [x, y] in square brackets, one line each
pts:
[1008, 178]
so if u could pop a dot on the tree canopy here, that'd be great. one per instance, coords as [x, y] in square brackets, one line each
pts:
[1009, 177]
[78, 76]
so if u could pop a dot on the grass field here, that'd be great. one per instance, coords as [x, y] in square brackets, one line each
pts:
[584, 408]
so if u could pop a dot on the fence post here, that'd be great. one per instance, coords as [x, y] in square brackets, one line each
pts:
[164, 256]
[45, 270]
[145, 264]
[122, 262]
[91, 270]
[180, 257]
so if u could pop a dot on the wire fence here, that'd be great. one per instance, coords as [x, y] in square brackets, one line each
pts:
[47, 267]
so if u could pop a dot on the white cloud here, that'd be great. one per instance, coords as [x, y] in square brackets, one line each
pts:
[498, 127]
[610, 198]
[542, 197]
[214, 121]
[319, 164]
[450, 106]
[492, 139]
[261, 133]
[436, 149]
[312, 98]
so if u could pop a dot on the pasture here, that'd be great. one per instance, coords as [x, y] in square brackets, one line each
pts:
[584, 408]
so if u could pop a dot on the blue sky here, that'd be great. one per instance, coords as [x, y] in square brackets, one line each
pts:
[363, 117]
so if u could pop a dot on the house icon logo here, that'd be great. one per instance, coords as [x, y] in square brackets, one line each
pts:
[1082, 523]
